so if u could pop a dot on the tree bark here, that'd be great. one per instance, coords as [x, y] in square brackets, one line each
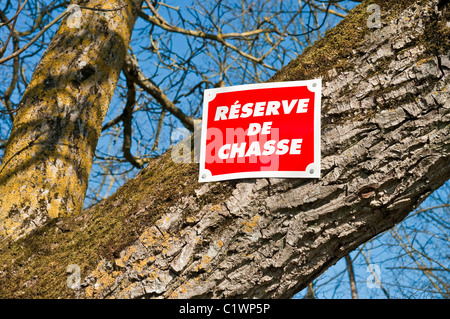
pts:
[385, 148]
[46, 164]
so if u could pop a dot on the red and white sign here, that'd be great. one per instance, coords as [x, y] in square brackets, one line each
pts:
[261, 130]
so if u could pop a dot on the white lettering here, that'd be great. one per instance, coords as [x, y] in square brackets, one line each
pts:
[247, 109]
[282, 147]
[269, 148]
[196, 309]
[302, 106]
[237, 150]
[272, 108]
[221, 113]
[296, 144]
[222, 154]
[254, 149]
[287, 108]
[254, 129]
[234, 111]
[229, 151]
[266, 128]
[259, 109]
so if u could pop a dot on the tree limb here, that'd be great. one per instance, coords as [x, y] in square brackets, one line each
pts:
[131, 69]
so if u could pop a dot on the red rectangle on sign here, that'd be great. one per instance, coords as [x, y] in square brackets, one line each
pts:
[261, 130]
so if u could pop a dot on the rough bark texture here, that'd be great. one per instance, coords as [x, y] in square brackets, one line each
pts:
[45, 168]
[385, 148]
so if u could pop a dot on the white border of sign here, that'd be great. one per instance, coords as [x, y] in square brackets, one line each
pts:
[313, 169]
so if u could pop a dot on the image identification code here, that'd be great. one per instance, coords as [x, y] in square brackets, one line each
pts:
[228, 308]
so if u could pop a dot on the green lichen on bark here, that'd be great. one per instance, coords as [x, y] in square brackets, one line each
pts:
[35, 266]
[437, 35]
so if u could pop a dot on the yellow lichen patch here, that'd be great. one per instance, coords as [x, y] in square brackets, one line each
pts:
[206, 259]
[422, 61]
[220, 243]
[173, 295]
[130, 250]
[103, 280]
[125, 293]
[148, 237]
[89, 292]
[119, 262]
[216, 208]
[140, 264]
[198, 267]
[153, 275]
[190, 219]
[249, 225]
[183, 289]
[154, 238]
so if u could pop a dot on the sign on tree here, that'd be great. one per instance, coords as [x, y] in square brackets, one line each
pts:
[261, 130]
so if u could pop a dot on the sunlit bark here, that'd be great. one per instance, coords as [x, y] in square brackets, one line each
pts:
[45, 168]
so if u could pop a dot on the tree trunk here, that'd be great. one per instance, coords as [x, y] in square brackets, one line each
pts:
[385, 148]
[45, 168]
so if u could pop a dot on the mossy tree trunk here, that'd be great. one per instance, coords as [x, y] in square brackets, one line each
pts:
[45, 168]
[385, 148]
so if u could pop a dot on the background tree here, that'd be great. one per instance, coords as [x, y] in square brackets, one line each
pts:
[253, 49]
